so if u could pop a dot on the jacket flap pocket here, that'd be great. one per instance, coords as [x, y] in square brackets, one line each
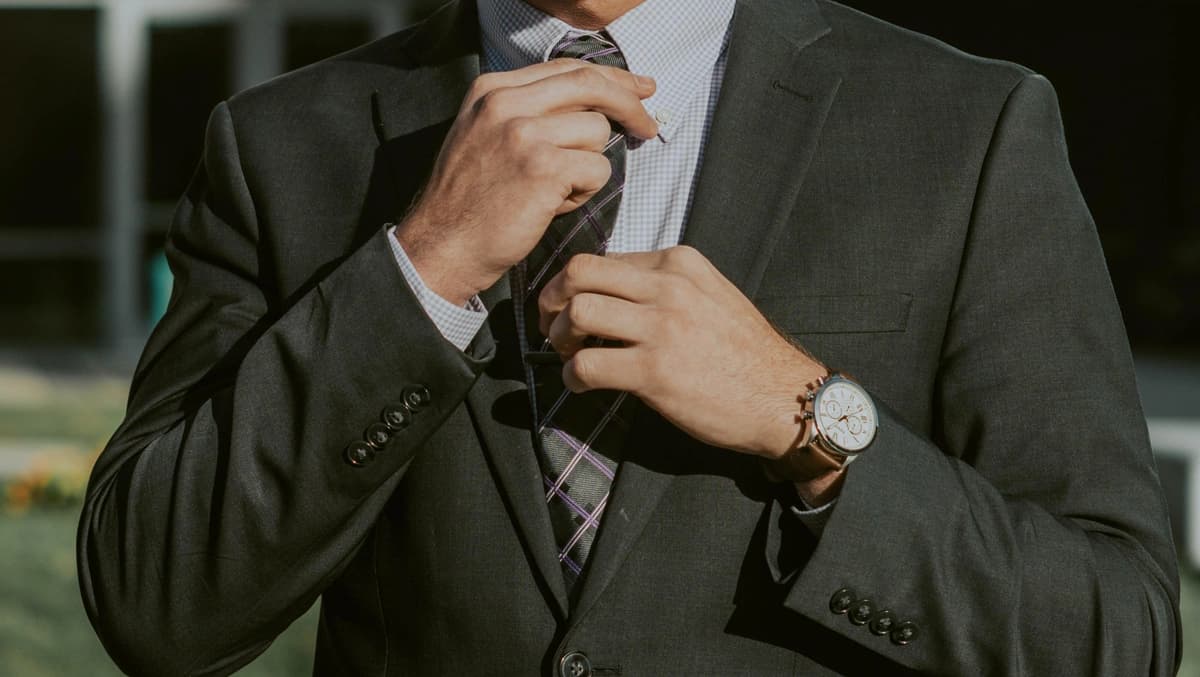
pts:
[840, 314]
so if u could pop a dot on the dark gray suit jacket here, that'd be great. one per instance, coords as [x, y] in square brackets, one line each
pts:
[906, 211]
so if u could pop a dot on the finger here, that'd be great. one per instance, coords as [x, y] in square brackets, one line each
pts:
[586, 172]
[642, 85]
[604, 369]
[605, 317]
[577, 90]
[595, 274]
[582, 130]
[680, 260]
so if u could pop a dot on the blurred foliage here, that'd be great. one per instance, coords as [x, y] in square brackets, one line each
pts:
[43, 629]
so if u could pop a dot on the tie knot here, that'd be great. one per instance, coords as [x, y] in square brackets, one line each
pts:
[594, 47]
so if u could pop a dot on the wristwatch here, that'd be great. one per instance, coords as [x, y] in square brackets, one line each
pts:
[840, 418]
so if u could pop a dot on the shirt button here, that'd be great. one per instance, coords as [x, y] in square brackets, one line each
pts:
[663, 117]
[575, 664]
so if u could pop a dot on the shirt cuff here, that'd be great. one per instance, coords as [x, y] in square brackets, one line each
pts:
[459, 324]
[813, 518]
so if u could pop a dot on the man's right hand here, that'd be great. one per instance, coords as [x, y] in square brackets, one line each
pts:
[526, 146]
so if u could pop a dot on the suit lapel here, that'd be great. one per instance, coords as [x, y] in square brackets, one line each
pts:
[499, 405]
[778, 85]
[413, 113]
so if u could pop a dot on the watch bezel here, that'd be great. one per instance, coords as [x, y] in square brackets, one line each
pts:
[821, 437]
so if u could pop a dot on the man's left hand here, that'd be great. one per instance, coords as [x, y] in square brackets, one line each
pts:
[695, 349]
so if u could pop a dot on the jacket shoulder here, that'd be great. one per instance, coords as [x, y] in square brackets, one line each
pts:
[872, 48]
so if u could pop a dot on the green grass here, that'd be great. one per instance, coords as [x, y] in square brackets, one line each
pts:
[43, 629]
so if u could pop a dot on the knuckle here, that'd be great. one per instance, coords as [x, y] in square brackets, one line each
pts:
[580, 310]
[483, 84]
[490, 104]
[536, 165]
[579, 267]
[519, 132]
[589, 78]
[682, 256]
[583, 367]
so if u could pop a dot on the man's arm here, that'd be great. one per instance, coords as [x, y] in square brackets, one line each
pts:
[1035, 539]
[1030, 535]
[223, 505]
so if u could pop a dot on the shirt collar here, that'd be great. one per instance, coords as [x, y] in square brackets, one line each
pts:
[676, 43]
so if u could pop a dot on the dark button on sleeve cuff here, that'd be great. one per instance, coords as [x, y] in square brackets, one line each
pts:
[905, 633]
[841, 601]
[359, 454]
[861, 611]
[417, 397]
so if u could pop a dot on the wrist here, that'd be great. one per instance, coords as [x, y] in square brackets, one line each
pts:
[436, 265]
[786, 429]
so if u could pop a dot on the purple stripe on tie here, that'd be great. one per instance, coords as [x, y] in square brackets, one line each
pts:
[597, 55]
[566, 559]
[580, 449]
[595, 524]
[570, 235]
[588, 517]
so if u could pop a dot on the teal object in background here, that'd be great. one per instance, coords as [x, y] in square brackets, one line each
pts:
[161, 281]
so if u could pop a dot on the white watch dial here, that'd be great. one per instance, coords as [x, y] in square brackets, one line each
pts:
[845, 415]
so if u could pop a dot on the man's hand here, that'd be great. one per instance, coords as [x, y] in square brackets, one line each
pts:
[526, 146]
[695, 349]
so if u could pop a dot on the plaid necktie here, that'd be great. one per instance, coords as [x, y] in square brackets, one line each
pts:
[578, 436]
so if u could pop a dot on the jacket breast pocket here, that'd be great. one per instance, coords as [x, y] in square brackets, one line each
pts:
[877, 313]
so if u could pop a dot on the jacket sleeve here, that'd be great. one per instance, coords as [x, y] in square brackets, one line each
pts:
[223, 505]
[1030, 535]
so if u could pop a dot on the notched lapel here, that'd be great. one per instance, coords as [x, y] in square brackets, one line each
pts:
[412, 114]
[779, 83]
[499, 405]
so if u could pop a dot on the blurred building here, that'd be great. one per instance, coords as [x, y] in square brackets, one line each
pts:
[102, 125]
[105, 104]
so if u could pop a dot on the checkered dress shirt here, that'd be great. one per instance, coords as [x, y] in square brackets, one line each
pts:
[682, 46]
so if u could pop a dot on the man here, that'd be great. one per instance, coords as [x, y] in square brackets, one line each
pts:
[522, 431]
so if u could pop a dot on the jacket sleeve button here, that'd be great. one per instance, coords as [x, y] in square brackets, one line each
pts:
[396, 417]
[905, 633]
[861, 611]
[416, 397]
[377, 435]
[841, 601]
[359, 454]
[883, 622]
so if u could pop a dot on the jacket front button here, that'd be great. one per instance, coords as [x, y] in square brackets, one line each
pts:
[359, 454]
[861, 611]
[841, 601]
[575, 664]
[905, 633]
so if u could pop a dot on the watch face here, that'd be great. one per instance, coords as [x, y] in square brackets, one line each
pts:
[845, 415]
